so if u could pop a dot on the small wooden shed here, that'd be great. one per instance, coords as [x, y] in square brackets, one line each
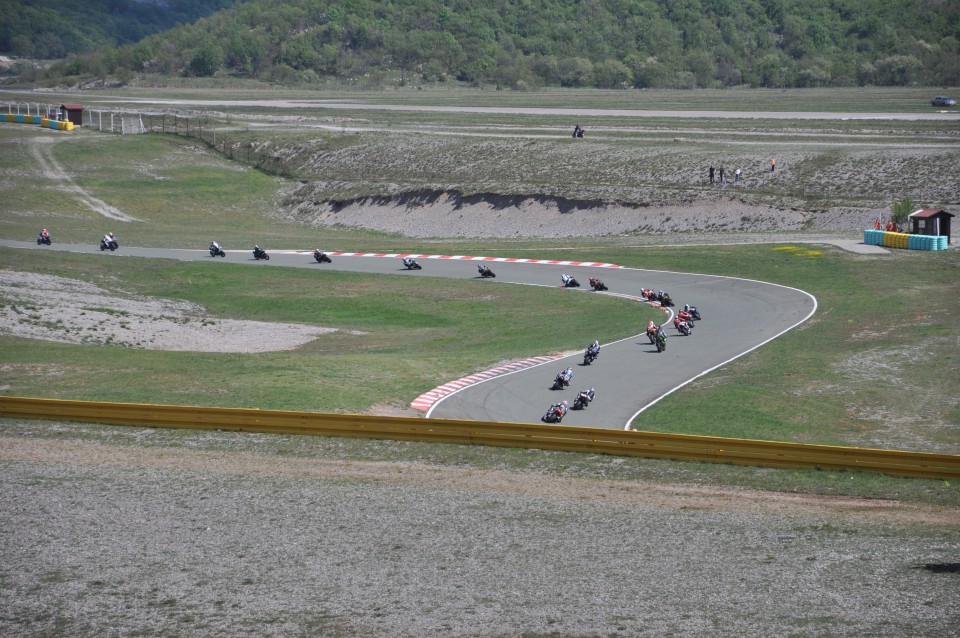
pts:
[931, 221]
[73, 113]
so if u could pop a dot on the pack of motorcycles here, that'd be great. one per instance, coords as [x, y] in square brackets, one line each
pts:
[683, 320]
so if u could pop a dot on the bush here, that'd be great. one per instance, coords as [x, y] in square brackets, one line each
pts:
[901, 210]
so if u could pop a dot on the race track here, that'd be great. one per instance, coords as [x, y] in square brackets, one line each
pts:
[630, 375]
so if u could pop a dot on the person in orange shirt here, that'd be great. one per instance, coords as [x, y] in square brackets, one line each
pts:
[773, 164]
[876, 224]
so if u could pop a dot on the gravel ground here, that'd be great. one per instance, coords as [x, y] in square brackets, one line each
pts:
[54, 308]
[173, 538]
[452, 215]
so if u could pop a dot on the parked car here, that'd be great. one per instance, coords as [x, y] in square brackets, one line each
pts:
[943, 100]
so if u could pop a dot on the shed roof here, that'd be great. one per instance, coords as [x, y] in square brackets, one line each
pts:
[72, 106]
[930, 212]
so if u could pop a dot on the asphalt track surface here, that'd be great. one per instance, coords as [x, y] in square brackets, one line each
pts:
[630, 376]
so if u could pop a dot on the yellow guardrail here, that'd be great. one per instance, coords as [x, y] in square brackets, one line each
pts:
[683, 447]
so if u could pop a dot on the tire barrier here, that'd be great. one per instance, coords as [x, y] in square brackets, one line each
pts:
[681, 447]
[904, 240]
[57, 125]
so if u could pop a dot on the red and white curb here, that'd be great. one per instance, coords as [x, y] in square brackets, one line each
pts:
[426, 400]
[506, 260]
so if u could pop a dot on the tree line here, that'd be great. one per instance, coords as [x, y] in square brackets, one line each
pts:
[526, 44]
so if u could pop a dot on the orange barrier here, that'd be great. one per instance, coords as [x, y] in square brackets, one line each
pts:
[547, 437]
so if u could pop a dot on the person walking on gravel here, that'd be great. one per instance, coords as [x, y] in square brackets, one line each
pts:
[773, 164]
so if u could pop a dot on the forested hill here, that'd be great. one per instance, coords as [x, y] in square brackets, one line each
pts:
[531, 43]
[55, 28]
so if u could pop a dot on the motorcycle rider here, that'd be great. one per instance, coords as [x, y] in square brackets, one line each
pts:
[409, 262]
[559, 409]
[594, 349]
[214, 248]
[564, 376]
[596, 284]
[661, 336]
[567, 280]
[45, 234]
[586, 396]
[110, 239]
[652, 332]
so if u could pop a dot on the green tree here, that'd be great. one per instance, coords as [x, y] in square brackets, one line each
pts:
[611, 74]
[207, 60]
[901, 210]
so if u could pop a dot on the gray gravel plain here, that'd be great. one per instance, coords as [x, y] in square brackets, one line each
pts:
[138, 532]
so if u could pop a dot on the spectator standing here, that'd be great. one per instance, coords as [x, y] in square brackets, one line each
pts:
[711, 175]
[773, 164]
[721, 176]
[736, 176]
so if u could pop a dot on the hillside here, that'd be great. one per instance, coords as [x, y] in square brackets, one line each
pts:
[48, 29]
[524, 45]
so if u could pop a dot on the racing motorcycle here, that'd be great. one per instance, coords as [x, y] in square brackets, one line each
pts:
[216, 251]
[44, 239]
[109, 243]
[591, 353]
[652, 331]
[693, 312]
[485, 271]
[584, 398]
[682, 327]
[321, 257]
[562, 379]
[556, 413]
[661, 341]
[597, 285]
[569, 281]
[260, 253]
[411, 264]
[665, 299]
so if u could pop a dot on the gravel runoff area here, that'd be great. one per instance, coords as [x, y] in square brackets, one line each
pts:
[139, 532]
[451, 215]
[55, 308]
